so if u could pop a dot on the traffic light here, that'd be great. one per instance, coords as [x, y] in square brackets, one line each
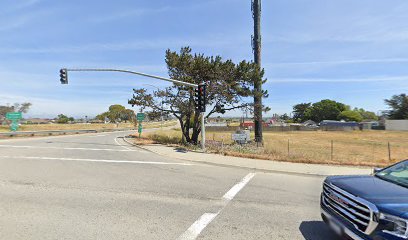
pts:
[200, 97]
[64, 76]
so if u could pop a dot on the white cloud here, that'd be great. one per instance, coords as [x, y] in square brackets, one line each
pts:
[126, 46]
[338, 80]
[18, 5]
[46, 107]
[340, 62]
[11, 20]
[128, 14]
[16, 23]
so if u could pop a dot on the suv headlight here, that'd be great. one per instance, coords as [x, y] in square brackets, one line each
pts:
[399, 225]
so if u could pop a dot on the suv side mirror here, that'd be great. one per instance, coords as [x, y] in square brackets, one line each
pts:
[376, 170]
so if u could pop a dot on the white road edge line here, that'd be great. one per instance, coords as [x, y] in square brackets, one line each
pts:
[116, 141]
[198, 226]
[97, 160]
[71, 148]
[97, 136]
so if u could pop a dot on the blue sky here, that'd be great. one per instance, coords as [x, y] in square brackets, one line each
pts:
[347, 50]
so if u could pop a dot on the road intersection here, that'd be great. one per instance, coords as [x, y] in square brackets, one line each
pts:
[96, 186]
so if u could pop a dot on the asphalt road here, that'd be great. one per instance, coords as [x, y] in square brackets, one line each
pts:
[95, 186]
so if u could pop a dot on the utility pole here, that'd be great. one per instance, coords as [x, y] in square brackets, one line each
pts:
[256, 47]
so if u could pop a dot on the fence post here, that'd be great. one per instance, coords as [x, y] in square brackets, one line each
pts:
[389, 151]
[288, 148]
[331, 151]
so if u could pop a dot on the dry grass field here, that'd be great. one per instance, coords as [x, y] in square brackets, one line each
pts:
[363, 148]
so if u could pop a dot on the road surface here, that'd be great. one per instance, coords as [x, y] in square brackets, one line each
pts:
[95, 186]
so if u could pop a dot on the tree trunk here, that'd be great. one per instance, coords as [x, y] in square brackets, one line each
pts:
[196, 128]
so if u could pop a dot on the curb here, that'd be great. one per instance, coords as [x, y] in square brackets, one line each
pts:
[135, 145]
[234, 166]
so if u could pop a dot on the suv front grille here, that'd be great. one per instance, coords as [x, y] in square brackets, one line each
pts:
[355, 210]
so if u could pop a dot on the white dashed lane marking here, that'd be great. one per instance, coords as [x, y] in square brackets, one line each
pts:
[198, 226]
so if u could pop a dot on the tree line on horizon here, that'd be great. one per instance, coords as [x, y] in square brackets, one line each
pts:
[332, 110]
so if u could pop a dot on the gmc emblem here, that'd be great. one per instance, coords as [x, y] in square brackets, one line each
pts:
[337, 199]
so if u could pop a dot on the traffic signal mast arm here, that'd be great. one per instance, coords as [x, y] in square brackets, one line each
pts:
[129, 71]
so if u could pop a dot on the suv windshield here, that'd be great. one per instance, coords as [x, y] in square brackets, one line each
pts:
[397, 173]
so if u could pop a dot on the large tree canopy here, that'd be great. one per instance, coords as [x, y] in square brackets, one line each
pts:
[350, 115]
[330, 110]
[366, 115]
[398, 105]
[325, 110]
[117, 113]
[299, 111]
[228, 87]
[61, 118]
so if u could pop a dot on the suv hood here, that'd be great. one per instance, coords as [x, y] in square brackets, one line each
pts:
[388, 197]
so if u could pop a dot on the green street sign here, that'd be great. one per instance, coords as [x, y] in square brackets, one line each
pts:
[140, 116]
[14, 115]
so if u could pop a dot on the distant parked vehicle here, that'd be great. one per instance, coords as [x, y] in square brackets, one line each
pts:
[368, 207]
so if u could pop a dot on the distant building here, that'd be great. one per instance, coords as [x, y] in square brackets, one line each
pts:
[330, 125]
[368, 125]
[396, 125]
[216, 124]
[251, 124]
[36, 121]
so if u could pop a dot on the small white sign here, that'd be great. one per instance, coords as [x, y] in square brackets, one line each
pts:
[239, 137]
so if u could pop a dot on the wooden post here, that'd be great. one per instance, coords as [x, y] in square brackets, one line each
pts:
[332, 150]
[389, 151]
[288, 148]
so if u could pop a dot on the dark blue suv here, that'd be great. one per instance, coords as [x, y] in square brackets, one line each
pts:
[368, 207]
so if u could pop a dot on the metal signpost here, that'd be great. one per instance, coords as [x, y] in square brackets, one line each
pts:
[14, 117]
[140, 117]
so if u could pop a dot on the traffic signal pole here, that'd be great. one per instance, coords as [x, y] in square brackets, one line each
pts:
[203, 131]
[64, 80]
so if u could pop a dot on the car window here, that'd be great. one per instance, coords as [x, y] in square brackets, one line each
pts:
[397, 174]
